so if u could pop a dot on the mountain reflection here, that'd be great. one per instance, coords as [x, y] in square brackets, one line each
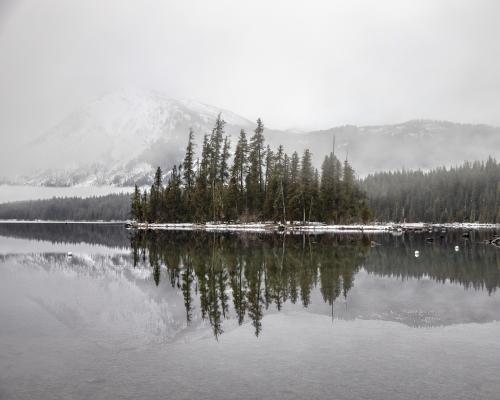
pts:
[110, 235]
[185, 281]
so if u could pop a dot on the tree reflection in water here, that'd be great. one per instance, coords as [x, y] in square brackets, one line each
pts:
[250, 273]
[247, 274]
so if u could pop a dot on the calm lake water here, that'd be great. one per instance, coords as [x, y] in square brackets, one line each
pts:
[226, 316]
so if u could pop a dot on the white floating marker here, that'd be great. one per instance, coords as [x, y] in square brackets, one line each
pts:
[457, 248]
[70, 254]
[417, 253]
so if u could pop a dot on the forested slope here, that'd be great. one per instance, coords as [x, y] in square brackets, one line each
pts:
[108, 208]
[469, 192]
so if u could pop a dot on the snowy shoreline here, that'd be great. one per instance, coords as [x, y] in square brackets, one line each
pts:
[313, 227]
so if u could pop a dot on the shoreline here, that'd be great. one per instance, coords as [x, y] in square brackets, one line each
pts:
[312, 228]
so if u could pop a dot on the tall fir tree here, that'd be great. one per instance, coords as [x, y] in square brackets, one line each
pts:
[136, 204]
[188, 164]
[255, 181]
[306, 184]
[294, 191]
[201, 193]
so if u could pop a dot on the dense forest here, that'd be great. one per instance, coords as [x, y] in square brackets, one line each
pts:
[467, 193]
[257, 184]
[113, 207]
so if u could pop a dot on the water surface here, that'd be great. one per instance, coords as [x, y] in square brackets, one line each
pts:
[222, 316]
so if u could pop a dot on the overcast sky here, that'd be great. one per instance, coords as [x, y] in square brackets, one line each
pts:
[298, 64]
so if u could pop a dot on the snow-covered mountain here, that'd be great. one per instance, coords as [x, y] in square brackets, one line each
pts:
[122, 137]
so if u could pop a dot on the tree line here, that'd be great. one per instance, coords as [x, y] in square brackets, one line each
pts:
[254, 183]
[469, 193]
[113, 207]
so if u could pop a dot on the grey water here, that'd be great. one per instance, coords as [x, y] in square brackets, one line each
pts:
[99, 312]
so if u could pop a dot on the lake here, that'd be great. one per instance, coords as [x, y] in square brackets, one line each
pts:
[198, 315]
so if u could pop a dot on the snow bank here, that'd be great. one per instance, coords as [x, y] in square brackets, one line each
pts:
[314, 227]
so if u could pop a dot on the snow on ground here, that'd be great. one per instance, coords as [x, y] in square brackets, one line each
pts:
[313, 227]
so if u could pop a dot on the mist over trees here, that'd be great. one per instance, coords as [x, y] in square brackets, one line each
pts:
[256, 183]
[251, 181]
[113, 207]
[467, 193]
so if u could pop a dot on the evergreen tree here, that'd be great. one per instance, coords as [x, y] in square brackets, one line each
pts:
[136, 204]
[239, 171]
[294, 191]
[224, 166]
[201, 194]
[216, 151]
[145, 207]
[173, 197]
[329, 188]
[188, 164]
[306, 185]
[255, 182]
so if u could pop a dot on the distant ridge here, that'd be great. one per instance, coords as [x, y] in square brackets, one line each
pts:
[120, 138]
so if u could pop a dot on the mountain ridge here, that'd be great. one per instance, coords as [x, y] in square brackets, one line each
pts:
[120, 138]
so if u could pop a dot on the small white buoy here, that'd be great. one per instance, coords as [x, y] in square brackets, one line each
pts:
[417, 253]
[457, 248]
[70, 254]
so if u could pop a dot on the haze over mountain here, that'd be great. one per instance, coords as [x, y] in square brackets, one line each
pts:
[120, 138]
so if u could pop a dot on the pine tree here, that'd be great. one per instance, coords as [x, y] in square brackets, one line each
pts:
[306, 184]
[238, 173]
[270, 186]
[155, 198]
[216, 151]
[189, 178]
[216, 143]
[201, 194]
[136, 204]
[294, 190]
[173, 197]
[329, 188]
[269, 167]
[348, 195]
[188, 164]
[145, 207]
[314, 209]
[224, 166]
[255, 183]
[158, 179]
